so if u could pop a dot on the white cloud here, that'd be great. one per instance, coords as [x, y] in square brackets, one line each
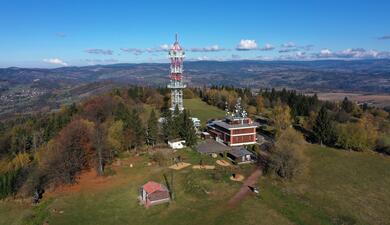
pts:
[289, 44]
[136, 51]
[213, 48]
[306, 47]
[292, 47]
[55, 61]
[353, 53]
[325, 53]
[164, 47]
[139, 51]
[202, 58]
[99, 51]
[300, 55]
[246, 45]
[267, 47]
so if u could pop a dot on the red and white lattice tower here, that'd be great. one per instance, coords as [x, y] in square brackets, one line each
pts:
[176, 54]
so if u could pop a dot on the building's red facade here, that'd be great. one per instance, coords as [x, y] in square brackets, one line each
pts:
[233, 131]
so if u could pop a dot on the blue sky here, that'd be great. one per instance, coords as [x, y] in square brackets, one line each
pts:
[74, 33]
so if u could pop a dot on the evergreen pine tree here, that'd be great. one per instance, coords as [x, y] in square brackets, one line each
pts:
[176, 112]
[168, 126]
[165, 108]
[177, 123]
[322, 128]
[347, 105]
[136, 126]
[152, 130]
[122, 113]
[187, 130]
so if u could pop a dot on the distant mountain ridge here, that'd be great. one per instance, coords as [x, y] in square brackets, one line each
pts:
[24, 90]
[325, 75]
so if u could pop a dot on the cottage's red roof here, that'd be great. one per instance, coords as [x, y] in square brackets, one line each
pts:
[152, 186]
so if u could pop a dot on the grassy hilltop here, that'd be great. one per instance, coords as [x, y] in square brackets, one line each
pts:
[340, 188]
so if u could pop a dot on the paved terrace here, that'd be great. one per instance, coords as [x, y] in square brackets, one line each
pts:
[211, 146]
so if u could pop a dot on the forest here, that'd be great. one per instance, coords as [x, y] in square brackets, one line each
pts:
[50, 149]
[45, 150]
[344, 125]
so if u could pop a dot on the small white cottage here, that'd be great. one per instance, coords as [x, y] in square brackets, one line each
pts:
[177, 143]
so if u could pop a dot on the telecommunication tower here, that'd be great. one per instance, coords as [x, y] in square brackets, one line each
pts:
[176, 54]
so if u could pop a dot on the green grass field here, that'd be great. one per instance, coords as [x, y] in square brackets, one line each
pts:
[339, 188]
[202, 110]
[197, 108]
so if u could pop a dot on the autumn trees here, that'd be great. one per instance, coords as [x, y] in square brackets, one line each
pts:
[70, 152]
[336, 124]
[281, 117]
[287, 158]
[358, 136]
[89, 134]
[77, 137]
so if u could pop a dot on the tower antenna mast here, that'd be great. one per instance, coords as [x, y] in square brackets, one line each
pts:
[176, 55]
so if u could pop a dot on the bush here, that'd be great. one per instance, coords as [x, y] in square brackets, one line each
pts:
[8, 183]
[356, 136]
[383, 144]
[159, 158]
[287, 158]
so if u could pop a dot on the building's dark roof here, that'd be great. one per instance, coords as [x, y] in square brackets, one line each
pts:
[225, 125]
[212, 146]
[158, 195]
[239, 152]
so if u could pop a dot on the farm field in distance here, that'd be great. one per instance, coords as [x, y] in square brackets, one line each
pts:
[378, 100]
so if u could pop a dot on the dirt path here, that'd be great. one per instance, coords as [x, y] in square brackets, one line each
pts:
[244, 190]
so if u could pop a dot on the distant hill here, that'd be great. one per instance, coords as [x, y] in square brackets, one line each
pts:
[22, 88]
[356, 75]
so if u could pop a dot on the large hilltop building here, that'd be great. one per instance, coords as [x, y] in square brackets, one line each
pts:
[176, 54]
[236, 129]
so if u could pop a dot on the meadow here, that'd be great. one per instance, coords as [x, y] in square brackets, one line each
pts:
[339, 188]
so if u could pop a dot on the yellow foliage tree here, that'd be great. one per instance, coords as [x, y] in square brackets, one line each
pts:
[259, 104]
[115, 135]
[287, 159]
[251, 110]
[281, 117]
